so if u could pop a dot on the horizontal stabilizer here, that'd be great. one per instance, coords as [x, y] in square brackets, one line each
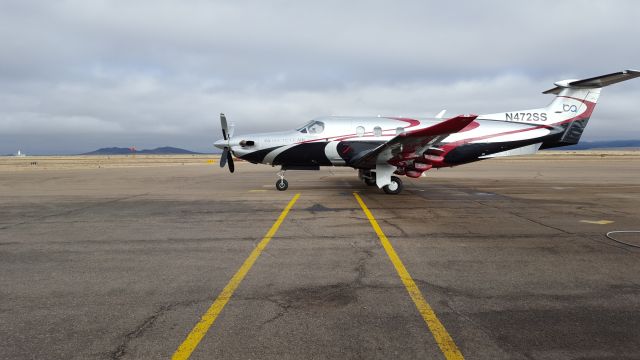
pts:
[594, 82]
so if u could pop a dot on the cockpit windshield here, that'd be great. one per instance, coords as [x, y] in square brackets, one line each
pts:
[303, 128]
[312, 127]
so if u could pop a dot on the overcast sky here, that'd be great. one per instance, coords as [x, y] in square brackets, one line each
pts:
[83, 74]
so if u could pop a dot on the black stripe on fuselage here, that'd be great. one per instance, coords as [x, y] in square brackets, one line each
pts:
[304, 154]
[350, 150]
[565, 134]
[312, 153]
[257, 156]
[570, 136]
[471, 152]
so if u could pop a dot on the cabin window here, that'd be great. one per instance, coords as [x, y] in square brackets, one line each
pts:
[360, 131]
[377, 131]
[399, 130]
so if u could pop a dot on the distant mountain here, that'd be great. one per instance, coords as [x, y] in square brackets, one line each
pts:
[166, 150]
[584, 145]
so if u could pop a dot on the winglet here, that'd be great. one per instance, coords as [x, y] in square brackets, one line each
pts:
[448, 126]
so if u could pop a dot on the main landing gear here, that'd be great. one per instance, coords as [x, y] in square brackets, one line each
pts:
[281, 184]
[369, 178]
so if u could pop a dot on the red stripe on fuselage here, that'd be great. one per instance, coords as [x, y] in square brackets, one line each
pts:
[413, 122]
[448, 147]
[586, 114]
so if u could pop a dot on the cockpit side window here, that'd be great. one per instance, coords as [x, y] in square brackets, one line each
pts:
[312, 127]
[316, 128]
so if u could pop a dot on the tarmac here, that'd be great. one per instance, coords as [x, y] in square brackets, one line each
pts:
[510, 257]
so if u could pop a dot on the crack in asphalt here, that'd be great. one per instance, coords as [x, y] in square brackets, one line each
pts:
[334, 295]
[447, 293]
[523, 217]
[69, 212]
[121, 350]
[147, 323]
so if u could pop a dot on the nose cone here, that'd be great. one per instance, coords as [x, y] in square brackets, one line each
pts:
[220, 144]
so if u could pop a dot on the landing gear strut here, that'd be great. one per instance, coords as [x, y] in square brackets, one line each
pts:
[281, 184]
[368, 177]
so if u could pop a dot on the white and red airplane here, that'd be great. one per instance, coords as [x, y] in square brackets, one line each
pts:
[380, 147]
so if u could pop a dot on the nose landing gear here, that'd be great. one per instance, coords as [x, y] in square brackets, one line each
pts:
[281, 184]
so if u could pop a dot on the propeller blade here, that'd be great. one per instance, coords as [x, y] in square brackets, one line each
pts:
[224, 157]
[230, 159]
[225, 127]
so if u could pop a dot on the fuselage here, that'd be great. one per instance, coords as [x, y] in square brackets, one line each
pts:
[333, 141]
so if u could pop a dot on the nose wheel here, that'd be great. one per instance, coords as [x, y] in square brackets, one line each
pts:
[282, 184]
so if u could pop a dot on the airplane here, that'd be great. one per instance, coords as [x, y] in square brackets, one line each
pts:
[384, 148]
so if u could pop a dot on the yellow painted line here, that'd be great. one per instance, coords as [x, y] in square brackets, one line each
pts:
[258, 190]
[201, 328]
[440, 334]
[597, 222]
[210, 161]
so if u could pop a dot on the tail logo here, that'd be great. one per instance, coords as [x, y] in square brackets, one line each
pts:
[569, 108]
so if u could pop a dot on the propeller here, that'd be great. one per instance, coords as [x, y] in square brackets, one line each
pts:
[226, 156]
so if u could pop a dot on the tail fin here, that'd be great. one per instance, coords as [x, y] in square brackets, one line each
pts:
[575, 101]
[570, 111]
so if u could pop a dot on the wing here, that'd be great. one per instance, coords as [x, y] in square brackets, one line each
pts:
[410, 145]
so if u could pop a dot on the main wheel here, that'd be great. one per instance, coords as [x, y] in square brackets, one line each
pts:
[282, 185]
[395, 187]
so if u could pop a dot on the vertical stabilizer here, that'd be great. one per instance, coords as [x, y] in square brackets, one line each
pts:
[569, 112]
[575, 101]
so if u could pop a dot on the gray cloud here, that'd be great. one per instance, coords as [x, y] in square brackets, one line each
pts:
[75, 75]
